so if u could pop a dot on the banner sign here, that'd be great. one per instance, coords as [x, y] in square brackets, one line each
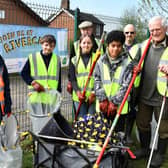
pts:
[17, 42]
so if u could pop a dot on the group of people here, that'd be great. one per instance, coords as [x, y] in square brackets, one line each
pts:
[109, 82]
[111, 78]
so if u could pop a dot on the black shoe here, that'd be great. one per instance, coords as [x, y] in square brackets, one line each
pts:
[141, 153]
[157, 160]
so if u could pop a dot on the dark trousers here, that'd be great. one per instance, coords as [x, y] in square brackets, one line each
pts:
[144, 117]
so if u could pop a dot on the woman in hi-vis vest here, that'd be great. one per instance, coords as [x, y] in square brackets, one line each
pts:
[79, 70]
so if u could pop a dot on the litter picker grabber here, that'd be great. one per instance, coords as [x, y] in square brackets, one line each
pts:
[96, 165]
[158, 125]
[95, 145]
[98, 53]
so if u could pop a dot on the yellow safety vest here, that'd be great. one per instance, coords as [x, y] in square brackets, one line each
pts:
[47, 78]
[161, 79]
[82, 76]
[133, 51]
[111, 87]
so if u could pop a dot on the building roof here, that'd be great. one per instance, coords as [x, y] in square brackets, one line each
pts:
[87, 16]
[82, 16]
[31, 12]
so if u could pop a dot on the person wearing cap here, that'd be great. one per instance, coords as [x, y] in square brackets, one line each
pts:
[112, 76]
[86, 28]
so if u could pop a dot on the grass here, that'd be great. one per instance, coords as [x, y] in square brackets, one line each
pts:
[26, 145]
[27, 148]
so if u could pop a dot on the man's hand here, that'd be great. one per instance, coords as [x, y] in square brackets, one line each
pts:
[37, 86]
[69, 87]
[103, 105]
[112, 109]
[91, 98]
[163, 68]
[80, 96]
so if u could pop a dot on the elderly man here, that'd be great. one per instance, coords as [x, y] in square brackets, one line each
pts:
[86, 27]
[130, 33]
[152, 89]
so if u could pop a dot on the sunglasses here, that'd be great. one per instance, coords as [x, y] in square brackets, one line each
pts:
[129, 32]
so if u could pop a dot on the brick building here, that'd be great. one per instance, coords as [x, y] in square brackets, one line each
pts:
[65, 18]
[17, 12]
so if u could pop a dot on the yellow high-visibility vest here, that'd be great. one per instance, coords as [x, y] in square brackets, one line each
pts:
[48, 78]
[111, 87]
[161, 79]
[82, 76]
[133, 51]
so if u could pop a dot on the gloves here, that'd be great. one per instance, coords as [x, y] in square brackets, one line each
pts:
[69, 87]
[37, 86]
[136, 69]
[103, 105]
[112, 109]
[91, 98]
[9, 114]
[80, 96]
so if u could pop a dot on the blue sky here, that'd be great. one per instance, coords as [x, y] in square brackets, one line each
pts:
[113, 8]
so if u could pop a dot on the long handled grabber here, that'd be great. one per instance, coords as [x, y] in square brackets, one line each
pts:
[158, 125]
[96, 165]
[98, 53]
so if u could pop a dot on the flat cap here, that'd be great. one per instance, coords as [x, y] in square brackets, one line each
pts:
[85, 24]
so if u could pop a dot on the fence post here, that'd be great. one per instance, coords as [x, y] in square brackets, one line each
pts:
[76, 23]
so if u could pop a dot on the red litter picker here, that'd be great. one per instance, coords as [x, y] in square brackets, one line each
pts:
[96, 165]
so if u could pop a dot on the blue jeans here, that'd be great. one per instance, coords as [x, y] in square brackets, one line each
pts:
[85, 108]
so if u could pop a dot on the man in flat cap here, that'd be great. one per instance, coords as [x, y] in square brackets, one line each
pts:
[86, 28]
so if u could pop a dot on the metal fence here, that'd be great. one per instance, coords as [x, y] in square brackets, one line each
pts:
[19, 95]
[17, 12]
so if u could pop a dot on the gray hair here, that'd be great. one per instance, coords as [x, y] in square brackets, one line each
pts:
[163, 20]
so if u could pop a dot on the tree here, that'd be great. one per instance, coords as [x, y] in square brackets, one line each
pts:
[150, 8]
[130, 16]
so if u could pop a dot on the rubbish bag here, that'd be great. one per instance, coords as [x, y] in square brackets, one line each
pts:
[10, 151]
[43, 107]
[11, 158]
[44, 103]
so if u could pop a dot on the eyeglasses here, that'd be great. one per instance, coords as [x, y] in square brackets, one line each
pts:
[129, 32]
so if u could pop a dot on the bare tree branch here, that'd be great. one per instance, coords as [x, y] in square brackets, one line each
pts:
[149, 8]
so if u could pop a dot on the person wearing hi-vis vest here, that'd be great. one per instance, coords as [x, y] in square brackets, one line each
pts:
[152, 85]
[41, 71]
[130, 34]
[5, 96]
[86, 28]
[80, 66]
[112, 78]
